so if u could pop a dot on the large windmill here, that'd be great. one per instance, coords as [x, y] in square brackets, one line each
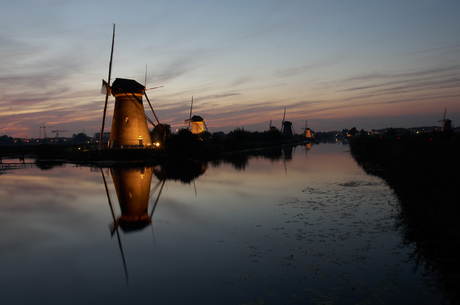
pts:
[446, 123]
[196, 123]
[287, 129]
[129, 123]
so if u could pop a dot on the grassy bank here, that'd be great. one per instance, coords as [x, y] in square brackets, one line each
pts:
[424, 172]
[180, 145]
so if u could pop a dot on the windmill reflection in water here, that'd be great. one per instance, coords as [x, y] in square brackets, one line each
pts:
[134, 189]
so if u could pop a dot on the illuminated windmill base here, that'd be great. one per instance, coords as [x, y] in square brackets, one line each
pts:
[129, 124]
[196, 124]
[308, 133]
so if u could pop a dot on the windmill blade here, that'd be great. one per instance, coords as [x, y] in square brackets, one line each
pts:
[103, 118]
[107, 91]
[107, 88]
[444, 117]
[154, 88]
[111, 54]
[191, 107]
[282, 122]
[147, 98]
[204, 123]
[190, 116]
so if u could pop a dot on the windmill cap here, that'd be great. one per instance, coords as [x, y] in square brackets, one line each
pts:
[197, 118]
[122, 85]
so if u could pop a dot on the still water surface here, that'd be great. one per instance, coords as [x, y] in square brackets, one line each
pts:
[306, 228]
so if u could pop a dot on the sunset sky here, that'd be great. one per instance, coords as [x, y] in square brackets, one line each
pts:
[338, 64]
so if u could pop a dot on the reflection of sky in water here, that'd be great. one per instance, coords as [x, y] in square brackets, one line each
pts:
[312, 229]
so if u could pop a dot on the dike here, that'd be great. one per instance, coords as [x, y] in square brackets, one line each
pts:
[424, 172]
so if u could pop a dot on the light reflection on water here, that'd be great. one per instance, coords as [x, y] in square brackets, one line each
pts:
[307, 226]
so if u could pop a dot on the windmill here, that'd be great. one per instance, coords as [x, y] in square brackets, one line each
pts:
[271, 127]
[446, 123]
[196, 123]
[286, 127]
[307, 131]
[129, 124]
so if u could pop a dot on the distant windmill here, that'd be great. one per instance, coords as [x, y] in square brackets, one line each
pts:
[286, 127]
[271, 127]
[129, 124]
[446, 123]
[196, 123]
[307, 131]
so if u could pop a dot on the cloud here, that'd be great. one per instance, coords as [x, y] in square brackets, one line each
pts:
[446, 48]
[241, 81]
[310, 67]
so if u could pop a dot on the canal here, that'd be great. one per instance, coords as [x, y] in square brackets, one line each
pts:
[299, 225]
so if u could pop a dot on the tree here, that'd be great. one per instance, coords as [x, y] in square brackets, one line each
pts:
[160, 132]
[353, 131]
[390, 132]
[81, 138]
[5, 140]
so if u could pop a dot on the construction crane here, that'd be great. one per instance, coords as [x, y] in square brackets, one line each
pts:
[44, 130]
[57, 131]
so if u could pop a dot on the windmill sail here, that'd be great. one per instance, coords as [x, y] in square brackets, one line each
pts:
[107, 86]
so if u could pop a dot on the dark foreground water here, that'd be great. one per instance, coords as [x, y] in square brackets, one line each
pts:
[306, 228]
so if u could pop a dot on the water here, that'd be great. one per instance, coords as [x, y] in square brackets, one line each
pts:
[306, 228]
